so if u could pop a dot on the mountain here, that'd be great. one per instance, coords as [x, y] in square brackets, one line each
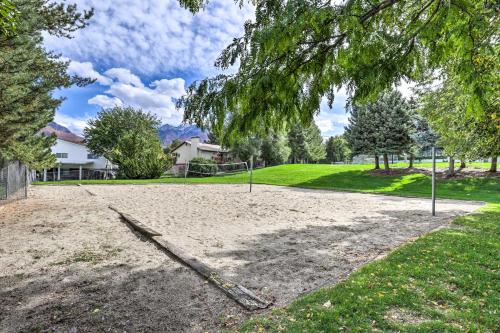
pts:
[61, 132]
[55, 126]
[169, 133]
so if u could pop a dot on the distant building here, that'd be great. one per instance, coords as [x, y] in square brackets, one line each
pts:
[188, 150]
[75, 161]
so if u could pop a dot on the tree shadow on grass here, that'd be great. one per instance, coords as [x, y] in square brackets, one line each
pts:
[482, 189]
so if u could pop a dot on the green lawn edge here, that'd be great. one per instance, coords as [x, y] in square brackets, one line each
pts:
[354, 178]
[445, 281]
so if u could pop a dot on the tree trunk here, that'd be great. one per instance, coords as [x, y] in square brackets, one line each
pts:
[377, 163]
[494, 161]
[462, 164]
[386, 162]
[412, 157]
[451, 167]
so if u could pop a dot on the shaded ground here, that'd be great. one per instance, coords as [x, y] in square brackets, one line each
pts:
[441, 173]
[67, 263]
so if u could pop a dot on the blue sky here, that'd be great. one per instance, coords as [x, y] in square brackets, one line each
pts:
[143, 53]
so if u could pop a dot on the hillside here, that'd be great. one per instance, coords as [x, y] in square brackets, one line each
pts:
[169, 133]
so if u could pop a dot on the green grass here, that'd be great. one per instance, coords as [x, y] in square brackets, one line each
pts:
[446, 281]
[341, 177]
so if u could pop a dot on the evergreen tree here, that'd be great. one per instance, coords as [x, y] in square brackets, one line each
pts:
[128, 138]
[381, 127]
[274, 150]
[361, 132]
[306, 143]
[294, 53]
[315, 146]
[337, 149]
[29, 75]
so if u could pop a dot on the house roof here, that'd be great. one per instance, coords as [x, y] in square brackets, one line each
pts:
[204, 147]
[70, 137]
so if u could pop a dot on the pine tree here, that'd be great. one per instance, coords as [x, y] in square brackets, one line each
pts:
[337, 149]
[381, 127]
[28, 76]
[274, 149]
[306, 143]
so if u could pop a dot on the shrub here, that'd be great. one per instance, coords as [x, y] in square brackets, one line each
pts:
[202, 167]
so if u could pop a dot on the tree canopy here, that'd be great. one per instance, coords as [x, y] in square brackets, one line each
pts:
[380, 127]
[462, 135]
[8, 17]
[28, 76]
[128, 138]
[297, 52]
[306, 143]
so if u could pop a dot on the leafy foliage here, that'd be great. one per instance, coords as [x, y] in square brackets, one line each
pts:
[463, 135]
[274, 149]
[381, 127]
[245, 148]
[29, 74]
[337, 149]
[306, 143]
[296, 52]
[202, 167]
[8, 17]
[128, 138]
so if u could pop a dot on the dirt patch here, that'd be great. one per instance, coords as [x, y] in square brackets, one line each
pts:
[405, 317]
[90, 273]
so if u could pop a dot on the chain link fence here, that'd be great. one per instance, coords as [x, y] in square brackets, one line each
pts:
[13, 181]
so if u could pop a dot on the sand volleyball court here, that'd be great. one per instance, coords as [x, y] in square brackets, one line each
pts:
[69, 263]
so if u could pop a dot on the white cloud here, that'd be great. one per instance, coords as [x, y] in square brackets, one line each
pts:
[125, 76]
[86, 69]
[152, 37]
[127, 89]
[332, 121]
[105, 101]
[74, 124]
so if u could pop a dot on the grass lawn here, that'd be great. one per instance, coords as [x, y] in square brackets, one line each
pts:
[446, 281]
[341, 177]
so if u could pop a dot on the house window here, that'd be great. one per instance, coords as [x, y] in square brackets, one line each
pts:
[62, 155]
[92, 156]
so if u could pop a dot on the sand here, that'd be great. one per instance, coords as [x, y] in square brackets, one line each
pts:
[67, 262]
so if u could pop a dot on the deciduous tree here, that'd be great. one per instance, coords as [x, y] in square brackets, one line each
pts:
[128, 138]
[295, 52]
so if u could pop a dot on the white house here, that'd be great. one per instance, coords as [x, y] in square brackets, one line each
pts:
[75, 161]
[188, 150]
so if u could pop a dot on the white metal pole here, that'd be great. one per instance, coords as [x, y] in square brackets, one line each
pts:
[433, 181]
[186, 166]
[59, 172]
[251, 172]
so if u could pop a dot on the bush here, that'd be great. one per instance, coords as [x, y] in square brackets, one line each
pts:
[202, 167]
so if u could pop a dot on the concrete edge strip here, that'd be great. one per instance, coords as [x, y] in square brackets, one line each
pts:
[240, 294]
